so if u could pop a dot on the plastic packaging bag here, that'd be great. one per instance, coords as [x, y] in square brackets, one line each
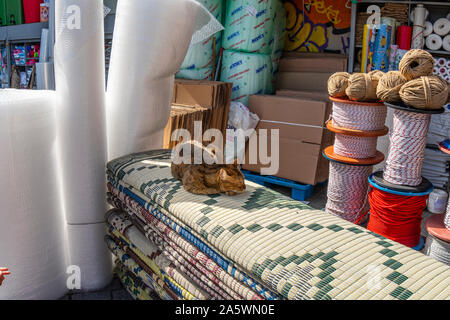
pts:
[249, 25]
[239, 118]
[250, 73]
[279, 35]
[196, 74]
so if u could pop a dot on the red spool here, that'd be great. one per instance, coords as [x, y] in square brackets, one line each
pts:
[32, 10]
[396, 217]
[404, 37]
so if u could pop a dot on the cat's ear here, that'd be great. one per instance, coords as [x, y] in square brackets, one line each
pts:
[236, 163]
[223, 174]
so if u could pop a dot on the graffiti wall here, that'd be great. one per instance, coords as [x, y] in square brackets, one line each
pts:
[318, 25]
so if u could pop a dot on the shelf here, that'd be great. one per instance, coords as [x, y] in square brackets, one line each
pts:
[438, 51]
[22, 32]
[431, 3]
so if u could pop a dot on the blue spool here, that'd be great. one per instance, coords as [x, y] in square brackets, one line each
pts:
[420, 245]
[380, 184]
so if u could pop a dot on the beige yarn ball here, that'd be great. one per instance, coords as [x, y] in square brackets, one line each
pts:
[363, 86]
[416, 63]
[337, 84]
[389, 86]
[428, 92]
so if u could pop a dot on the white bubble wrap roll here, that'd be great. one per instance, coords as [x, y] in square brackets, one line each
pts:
[32, 239]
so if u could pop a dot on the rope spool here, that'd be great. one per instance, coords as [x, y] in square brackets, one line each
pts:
[359, 116]
[363, 86]
[389, 86]
[447, 216]
[407, 148]
[337, 84]
[355, 147]
[438, 240]
[416, 63]
[396, 217]
[347, 191]
[429, 92]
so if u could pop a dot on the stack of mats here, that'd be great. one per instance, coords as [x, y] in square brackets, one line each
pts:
[257, 245]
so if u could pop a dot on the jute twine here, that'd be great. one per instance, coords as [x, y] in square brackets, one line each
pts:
[389, 86]
[363, 86]
[429, 92]
[416, 63]
[337, 84]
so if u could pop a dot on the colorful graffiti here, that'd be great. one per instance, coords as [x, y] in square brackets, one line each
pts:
[316, 25]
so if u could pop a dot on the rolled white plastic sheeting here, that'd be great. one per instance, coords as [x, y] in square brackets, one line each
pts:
[80, 87]
[89, 256]
[32, 238]
[139, 94]
[433, 42]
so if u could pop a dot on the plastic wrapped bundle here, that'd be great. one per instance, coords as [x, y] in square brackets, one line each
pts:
[249, 25]
[279, 35]
[196, 74]
[200, 55]
[139, 94]
[32, 239]
[250, 73]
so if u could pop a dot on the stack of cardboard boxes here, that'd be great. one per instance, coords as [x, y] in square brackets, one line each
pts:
[207, 102]
[299, 110]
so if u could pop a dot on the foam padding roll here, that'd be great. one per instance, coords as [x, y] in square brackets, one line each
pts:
[250, 73]
[249, 25]
[32, 239]
[80, 87]
[139, 94]
[89, 252]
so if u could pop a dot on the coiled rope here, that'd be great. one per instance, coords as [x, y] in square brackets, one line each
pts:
[359, 116]
[347, 191]
[437, 249]
[396, 217]
[447, 216]
[355, 147]
[407, 148]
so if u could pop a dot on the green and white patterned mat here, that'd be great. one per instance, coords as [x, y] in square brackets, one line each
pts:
[294, 250]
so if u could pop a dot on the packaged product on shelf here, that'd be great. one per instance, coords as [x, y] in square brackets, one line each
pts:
[250, 73]
[249, 25]
[279, 35]
[195, 74]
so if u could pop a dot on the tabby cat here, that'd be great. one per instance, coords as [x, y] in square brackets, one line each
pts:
[209, 178]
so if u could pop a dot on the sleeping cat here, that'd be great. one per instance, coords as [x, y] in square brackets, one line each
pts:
[209, 178]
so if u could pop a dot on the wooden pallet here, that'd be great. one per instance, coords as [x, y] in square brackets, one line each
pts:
[299, 191]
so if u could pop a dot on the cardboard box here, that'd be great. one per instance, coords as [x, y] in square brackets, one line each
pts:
[300, 118]
[199, 100]
[308, 71]
[313, 62]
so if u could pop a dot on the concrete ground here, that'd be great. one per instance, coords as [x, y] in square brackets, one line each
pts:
[115, 290]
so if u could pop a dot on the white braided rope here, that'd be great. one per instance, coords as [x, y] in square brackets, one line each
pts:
[359, 116]
[407, 148]
[355, 147]
[437, 249]
[447, 216]
[347, 191]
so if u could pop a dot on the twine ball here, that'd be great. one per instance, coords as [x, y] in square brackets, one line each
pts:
[416, 63]
[363, 86]
[337, 84]
[389, 86]
[428, 92]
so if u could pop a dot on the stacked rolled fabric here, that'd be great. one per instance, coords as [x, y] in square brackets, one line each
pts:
[256, 245]
[437, 34]
[253, 41]
[399, 193]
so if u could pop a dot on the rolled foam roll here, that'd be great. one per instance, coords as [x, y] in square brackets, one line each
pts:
[32, 238]
[139, 94]
[80, 87]
[89, 252]
[433, 42]
[441, 26]
[428, 28]
[446, 43]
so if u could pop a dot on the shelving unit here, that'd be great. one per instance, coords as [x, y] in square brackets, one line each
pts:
[411, 5]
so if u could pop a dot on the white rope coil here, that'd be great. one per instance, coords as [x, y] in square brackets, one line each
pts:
[355, 147]
[359, 116]
[437, 249]
[407, 148]
[347, 191]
